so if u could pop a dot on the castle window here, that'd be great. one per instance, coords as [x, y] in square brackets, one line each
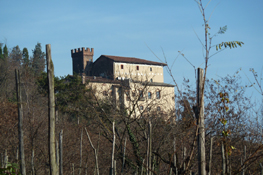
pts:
[158, 94]
[105, 93]
[112, 91]
[127, 92]
[141, 93]
[149, 95]
[121, 66]
[158, 108]
[137, 67]
[151, 80]
[151, 69]
[141, 107]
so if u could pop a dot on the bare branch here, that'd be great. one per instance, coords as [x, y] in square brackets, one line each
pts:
[212, 12]
[199, 39]
[207, 4]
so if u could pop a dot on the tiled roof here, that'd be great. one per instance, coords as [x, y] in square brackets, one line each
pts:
[133, 60]
[157, 84]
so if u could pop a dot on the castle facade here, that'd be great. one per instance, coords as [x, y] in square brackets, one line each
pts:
[134, 84]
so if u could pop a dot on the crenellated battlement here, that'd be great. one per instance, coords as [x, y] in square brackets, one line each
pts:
[84, 51]
[82, 60]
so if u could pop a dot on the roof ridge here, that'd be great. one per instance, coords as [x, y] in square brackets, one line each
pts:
[133, 60]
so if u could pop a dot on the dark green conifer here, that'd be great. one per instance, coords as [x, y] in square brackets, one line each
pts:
[5, 52]
[38, 60]
[25, 56]
[1, 53]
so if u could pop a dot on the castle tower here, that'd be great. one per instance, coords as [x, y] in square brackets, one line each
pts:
[82, 60]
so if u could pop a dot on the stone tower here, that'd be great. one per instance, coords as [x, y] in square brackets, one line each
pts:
[82, 60]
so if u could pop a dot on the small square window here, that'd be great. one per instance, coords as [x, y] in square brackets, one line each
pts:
[137, 67]
[105, 93]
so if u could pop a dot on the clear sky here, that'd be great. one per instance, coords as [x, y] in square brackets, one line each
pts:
[127, 27]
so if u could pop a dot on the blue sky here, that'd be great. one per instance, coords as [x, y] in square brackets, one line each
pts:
[126, 28]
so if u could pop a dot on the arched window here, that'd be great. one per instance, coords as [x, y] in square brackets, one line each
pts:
[137, 67]
[122, 66]
[158, 108]
[141, 93]
[133, 94]
[127, 92]
[158, 94]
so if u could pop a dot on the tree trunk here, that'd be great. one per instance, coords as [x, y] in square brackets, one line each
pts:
[223, 159]
[113, 149]
[184, 157]
[227, 163]
[2, 160]
[57, 153]
[171, 170]
[80, 163]
[210, 159]
[200, 121]
[86, 169]
[174, 145]
[51, 112]
[244, 170]
[5, 159]
[123, 157]
[150, 149]
[115, 168]
[20, 124]
[73, 169]
[32, 162]
[17, 154]
[261, 169]
[142, 167]
[95, 153]
[61, 153]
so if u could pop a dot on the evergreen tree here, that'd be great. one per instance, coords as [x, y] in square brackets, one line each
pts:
[4, 74]
[16, 56]
[38, 60]
[71, 95]
[25, 57]
[5, 52]
[1, 53]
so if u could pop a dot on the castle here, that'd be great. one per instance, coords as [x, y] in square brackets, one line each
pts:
[134, 84]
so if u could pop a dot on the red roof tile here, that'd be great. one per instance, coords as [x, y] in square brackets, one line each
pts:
[133, 60]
